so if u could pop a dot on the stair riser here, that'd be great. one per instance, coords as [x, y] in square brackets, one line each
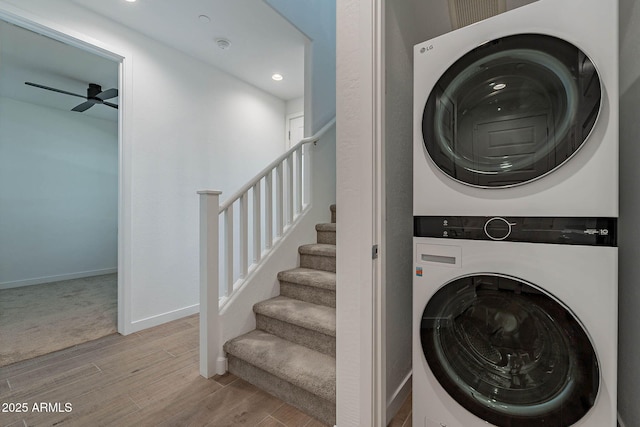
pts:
[310, 294]
[318, 262]
[328, 237]
[311, 339]
[313, 405]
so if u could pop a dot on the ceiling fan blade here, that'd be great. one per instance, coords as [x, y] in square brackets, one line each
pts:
[110, 104]
[107, 94]
[54, 89]
[83, 107]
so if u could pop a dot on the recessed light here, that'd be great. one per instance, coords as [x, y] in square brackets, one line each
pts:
[203, 18]
[130, 1]
[277, 77]
[499, 86]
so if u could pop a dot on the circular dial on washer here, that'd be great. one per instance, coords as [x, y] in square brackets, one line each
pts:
[511, 110]
[497, 228]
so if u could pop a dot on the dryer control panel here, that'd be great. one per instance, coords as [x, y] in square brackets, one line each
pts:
[587, 231]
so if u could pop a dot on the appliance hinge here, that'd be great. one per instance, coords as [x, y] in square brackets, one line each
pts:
[374, 252]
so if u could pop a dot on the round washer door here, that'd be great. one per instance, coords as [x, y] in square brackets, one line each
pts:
[511, 110]
[509, 353]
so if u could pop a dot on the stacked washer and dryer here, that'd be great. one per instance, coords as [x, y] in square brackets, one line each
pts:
[515, 220]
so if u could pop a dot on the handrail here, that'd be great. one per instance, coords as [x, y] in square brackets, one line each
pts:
[314, 138]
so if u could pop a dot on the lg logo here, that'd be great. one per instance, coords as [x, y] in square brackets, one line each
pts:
[426, 48]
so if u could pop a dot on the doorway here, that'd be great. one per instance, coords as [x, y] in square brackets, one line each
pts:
[294, 129]
[60, 191]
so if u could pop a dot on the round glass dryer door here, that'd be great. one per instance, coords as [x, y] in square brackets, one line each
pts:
[511, 110]
[509, 353]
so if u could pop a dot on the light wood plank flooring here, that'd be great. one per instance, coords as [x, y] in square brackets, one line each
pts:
[148, 378]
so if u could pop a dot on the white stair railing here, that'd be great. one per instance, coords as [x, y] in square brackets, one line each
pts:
[252, 220]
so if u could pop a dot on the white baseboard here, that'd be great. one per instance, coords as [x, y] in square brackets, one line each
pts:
[57, 278]
[149, 322]
[397, 399]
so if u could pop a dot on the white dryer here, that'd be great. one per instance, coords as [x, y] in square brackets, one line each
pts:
[518, 114]
[520, 332]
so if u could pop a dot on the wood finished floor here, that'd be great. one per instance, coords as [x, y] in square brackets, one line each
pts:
[148, 378]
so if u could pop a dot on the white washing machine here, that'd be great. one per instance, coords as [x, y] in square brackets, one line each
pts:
[515, 322]
[518, 114]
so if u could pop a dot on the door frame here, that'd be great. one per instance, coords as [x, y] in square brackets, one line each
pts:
[37, 24]
[360, 194]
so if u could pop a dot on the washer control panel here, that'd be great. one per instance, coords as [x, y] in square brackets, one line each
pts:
[590, 231]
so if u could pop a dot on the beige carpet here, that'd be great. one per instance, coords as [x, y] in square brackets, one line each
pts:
[40, 319]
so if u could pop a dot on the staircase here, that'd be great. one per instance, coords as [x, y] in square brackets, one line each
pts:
[291, 353]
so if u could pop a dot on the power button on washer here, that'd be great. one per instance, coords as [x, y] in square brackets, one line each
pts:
[498, 228]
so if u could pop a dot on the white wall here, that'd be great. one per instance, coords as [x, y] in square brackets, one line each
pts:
[190, 127]
[58, 194]
[317, 20]
[295, 105]
[629, 227]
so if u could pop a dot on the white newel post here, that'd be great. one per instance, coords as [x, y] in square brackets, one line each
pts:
[212, 360]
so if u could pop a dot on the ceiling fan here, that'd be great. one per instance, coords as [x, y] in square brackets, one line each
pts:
[95, 95]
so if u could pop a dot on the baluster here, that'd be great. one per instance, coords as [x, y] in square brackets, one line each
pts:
[244, 235]
[228, 249]
[268, 210]
[289, 194]
[306, 171]
[257, 231]
[299, 180]
[279, 201]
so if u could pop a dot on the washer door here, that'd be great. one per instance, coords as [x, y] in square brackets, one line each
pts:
[511, 110]
[509, 353]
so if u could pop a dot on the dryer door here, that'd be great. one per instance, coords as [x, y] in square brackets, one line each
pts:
[509, 353]
[511, 110]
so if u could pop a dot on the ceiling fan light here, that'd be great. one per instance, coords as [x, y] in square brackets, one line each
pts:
[95, 95]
